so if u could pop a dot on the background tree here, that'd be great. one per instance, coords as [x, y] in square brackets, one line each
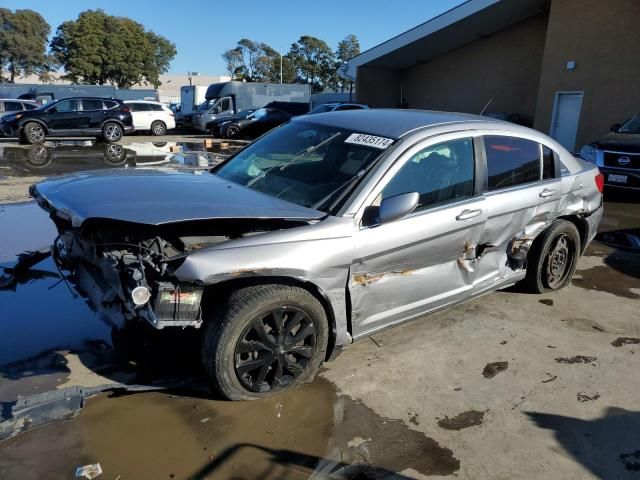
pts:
[100, 48]
[348, 48]
[23, 43]
[257, 62]
[314, 62]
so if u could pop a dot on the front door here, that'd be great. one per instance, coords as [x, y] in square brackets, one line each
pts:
[63, 117]
[423, 261]
[566, 117]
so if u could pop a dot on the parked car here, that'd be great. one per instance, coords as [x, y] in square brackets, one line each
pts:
[11, 105]
[617, 154]
[325, 231]
[213, 126]
[253, 124]
[108, 119]
[153, 117]
[336, 107]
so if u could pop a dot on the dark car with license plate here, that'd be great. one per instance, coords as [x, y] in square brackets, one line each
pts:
[617, 154]
[105, 118]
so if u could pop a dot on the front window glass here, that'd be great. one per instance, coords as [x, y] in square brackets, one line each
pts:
[258, 114]
[302, 163]
[440, 174]
[631, 126]
[66, 106]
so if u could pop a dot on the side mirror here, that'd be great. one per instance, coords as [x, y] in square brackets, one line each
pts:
[615, 128]
[391, 209]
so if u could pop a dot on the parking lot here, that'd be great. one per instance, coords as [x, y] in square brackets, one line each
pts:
[508, 385]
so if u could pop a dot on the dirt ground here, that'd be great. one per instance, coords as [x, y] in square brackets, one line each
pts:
[510, 385]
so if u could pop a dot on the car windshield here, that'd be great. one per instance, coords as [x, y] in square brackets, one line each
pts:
[258, 114]
[322, 109]
[631, 126]
[206, 105]
[302, 162]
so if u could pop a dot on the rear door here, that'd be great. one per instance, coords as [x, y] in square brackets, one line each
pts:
[407, 267]
[92, 114]
[514, 192]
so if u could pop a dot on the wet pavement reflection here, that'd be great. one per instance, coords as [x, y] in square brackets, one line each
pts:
[52, 341]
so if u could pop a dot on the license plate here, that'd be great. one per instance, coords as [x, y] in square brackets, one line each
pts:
[617, 178]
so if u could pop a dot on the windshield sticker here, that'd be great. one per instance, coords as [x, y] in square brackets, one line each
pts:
[369, 140]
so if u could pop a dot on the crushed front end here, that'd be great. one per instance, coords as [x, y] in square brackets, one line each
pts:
[125, 277]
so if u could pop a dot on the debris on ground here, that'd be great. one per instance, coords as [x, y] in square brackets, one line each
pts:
[89, 471]
[494, 368]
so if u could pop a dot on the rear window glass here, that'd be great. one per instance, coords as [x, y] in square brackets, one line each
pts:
[30, 106]
[548, 163]
[110, 104]
[140, 107]
[155, 108]
[88, 104]
[511, 161]
[12, 106]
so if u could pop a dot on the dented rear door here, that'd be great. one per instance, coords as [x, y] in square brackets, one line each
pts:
[513, 188]
[405, 268]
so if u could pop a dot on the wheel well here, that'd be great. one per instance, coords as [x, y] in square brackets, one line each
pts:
[33, 120]
[581, 225]
[112, 120]
[223, 289]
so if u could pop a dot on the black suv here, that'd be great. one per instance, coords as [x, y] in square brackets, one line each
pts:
[617, 154]
[83, 116]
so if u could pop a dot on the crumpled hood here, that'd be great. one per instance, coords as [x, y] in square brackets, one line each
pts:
[159, 196]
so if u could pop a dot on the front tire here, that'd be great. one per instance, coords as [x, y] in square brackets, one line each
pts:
[158, 128]
[33, 133]
[264, 340]
[553, 258]
[112, 132]
[232, 131]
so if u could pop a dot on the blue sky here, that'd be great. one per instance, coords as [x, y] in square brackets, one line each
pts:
[202, 29]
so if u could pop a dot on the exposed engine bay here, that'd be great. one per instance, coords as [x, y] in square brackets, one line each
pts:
[126, 271]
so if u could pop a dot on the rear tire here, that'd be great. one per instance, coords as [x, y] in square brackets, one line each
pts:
[158, 128]
[553, 258]
[33, 133]
[112, 132]
[263, 340]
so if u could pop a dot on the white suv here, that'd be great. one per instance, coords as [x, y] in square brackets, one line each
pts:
[153, 117]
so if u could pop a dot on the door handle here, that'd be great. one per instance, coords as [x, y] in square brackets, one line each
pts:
[547, 192]
[467, 214]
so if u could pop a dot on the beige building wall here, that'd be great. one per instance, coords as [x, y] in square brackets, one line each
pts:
[603, 38]
[504, 68]
[378, 87]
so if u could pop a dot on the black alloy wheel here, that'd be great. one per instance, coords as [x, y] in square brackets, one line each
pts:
[275, 349]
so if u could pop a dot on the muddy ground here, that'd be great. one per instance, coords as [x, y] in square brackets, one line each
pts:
[510, 385]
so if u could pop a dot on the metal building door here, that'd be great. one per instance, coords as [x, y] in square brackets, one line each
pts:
[566, 117]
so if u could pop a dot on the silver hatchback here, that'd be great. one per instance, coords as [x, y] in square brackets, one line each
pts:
[324, 231]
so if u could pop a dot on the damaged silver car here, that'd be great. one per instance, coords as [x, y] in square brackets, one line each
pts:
[324, 231]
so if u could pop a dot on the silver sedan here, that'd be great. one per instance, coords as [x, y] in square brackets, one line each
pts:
[325, 231]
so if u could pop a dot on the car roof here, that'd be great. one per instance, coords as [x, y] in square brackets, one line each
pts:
[144, 101]
[390, 122]
[17, 100]
[86, 98]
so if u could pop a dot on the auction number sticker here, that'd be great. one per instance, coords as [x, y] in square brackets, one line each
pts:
[369, 140]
